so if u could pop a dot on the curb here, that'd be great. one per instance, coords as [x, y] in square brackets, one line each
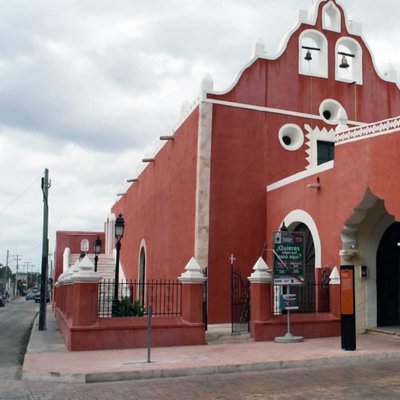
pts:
[196, 371]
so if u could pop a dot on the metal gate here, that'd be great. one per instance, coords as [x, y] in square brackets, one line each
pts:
[240, 302]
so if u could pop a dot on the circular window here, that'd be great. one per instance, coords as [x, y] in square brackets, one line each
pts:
[291, 137]
[331, 111]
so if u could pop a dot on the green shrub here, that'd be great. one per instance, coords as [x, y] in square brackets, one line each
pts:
[127, 309]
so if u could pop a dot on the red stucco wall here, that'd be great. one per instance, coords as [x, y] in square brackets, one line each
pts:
[72, 240]
[160, 208]
[247, 154]
[359, 165]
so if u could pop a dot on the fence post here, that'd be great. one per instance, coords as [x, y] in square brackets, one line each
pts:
[85, 293]
[261, 301]
[192, 292]
[149, 333]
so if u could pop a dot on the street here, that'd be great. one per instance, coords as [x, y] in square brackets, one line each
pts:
[368, 380]
[16, 319]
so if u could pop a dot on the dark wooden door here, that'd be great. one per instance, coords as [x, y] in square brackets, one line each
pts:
[387, 277]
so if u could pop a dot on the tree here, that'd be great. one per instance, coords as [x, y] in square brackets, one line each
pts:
[5, 272]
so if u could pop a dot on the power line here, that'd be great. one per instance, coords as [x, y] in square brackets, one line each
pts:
[19, 196]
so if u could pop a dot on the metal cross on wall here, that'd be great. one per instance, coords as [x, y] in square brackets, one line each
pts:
[232, 259]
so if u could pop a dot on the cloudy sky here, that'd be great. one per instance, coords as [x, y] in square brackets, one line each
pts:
[87, 87]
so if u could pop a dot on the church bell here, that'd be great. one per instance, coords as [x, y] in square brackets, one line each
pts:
[344, 64]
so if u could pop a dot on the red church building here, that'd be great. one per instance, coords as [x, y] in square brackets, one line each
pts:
[309, 138]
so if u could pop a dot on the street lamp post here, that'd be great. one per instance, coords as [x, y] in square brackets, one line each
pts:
[97, 251]
[119, 233]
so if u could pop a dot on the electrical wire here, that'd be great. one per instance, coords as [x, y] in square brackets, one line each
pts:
[19, 196]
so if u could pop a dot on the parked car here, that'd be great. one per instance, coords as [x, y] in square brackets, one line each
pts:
[2, 301]
[31, 295]
[37, 297]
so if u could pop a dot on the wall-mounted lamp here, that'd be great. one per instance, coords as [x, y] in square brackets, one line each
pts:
[364, 271]
[315, 185]
[132, 180]
[148, 160]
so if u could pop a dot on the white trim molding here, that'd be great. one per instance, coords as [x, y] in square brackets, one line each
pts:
[252, 107]
[300, 175]
[301, 216]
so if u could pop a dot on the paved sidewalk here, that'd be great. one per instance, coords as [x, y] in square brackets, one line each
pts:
[47, 358]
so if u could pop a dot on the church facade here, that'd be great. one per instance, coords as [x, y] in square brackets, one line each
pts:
[309, 138]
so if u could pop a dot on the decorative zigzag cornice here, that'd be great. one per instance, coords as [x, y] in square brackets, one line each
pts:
[378, 128]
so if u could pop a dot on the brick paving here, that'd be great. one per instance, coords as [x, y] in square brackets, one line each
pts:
[366, 380]
[47, 358]
[314, 369]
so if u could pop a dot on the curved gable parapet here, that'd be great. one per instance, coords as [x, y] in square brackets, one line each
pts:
[327, 17]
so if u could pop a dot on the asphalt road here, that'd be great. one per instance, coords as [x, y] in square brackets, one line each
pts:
[368, 380]
[16, 319]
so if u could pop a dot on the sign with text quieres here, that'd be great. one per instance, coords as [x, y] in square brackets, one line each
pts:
[288, 262]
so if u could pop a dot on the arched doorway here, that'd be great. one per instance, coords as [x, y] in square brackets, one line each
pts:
[306, 293]
[142, 275]
[388, 277]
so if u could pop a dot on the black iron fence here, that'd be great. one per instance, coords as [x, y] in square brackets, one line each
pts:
[136, 297]
[311, 298]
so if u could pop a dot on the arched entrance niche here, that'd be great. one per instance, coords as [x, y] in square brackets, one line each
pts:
[388, 277]
[361, 236]
[142, 272]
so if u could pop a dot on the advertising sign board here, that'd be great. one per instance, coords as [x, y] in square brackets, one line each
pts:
[289, 301]
[288, 262]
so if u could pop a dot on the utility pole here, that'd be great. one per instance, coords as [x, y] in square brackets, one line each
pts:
[28, 264]
[8, 275]
[17, 258]
[45, 251]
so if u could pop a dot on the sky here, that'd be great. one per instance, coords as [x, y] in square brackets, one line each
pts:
[88, 86]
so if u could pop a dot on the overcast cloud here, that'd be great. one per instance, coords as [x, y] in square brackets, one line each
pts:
[87, 87]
